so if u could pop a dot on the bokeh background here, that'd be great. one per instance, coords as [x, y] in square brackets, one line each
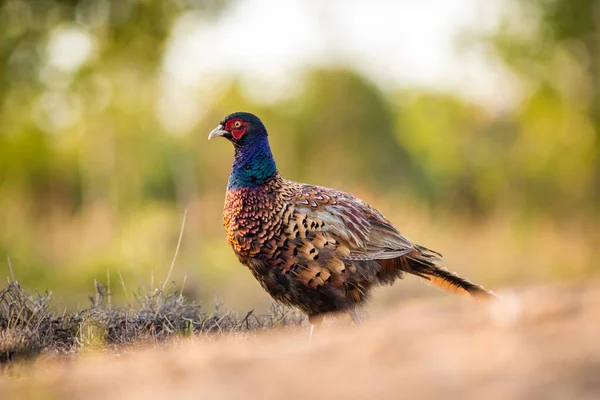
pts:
[474, 126]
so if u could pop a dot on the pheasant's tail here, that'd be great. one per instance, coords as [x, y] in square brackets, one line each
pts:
[451, 282]
[425, 264]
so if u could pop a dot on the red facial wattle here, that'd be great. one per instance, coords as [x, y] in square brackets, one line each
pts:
[238, 133]
[237, 127]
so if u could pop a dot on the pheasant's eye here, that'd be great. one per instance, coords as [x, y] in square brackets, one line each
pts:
[237, 124]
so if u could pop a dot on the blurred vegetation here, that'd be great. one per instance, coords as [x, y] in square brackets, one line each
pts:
[94, 178]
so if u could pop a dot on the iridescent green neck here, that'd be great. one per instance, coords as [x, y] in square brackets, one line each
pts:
[253, 164]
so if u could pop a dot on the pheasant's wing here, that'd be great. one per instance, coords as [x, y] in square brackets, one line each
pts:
[354, 224]
[325, 240]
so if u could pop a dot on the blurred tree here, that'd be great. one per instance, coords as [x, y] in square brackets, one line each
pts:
[346, 120]
[72, 73]
[79, 137]
[459, 149]
[554, 46]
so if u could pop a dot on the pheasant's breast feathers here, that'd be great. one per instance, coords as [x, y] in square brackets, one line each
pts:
[250, 218]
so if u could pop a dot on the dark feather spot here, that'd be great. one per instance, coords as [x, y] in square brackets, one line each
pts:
[312, 250]
[318, 274]
[295, 251]
[316, 257]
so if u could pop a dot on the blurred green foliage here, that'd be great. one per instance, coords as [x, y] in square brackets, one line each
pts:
[91, 179]
[554, 47]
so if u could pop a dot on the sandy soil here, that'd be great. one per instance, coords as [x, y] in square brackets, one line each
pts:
[537, 343]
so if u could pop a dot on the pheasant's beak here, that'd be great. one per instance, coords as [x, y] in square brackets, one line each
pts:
[218, 131]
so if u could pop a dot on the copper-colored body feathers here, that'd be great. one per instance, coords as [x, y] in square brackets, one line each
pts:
[322, 250]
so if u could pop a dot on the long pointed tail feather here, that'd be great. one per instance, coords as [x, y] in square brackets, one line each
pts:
[451, 282]
[425, 264]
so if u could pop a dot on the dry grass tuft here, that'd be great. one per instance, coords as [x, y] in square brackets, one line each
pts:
[29, 328]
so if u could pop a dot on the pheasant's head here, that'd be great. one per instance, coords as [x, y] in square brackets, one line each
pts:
[253, 162]
[240, 128]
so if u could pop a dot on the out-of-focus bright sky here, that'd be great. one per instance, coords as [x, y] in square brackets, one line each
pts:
[396, 43]
[268, 43]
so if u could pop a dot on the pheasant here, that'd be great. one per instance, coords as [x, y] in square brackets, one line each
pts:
[313, 248]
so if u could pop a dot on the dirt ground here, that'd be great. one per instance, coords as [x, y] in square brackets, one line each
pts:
[537, 343]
